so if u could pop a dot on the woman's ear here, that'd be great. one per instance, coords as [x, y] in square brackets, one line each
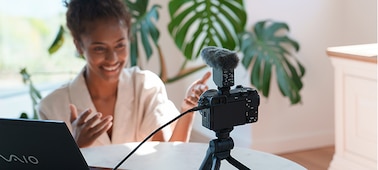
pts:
[78, 47]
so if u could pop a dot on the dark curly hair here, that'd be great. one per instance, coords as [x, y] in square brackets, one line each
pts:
[82, 12]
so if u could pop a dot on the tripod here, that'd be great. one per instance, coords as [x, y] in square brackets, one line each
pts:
[220, 149]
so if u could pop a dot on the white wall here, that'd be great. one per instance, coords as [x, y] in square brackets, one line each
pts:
[316, 24]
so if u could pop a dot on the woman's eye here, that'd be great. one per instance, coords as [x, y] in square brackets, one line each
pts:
[119, 46]
[99, 49]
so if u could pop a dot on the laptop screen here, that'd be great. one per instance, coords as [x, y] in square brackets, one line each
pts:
[38, 144]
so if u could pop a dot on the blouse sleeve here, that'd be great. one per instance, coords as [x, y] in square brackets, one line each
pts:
[55, 107]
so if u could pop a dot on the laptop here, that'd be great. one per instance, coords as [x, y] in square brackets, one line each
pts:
[38, 145]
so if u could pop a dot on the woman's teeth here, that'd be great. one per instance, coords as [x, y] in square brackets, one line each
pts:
[112, 68]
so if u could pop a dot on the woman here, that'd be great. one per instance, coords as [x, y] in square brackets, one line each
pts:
[106, 103]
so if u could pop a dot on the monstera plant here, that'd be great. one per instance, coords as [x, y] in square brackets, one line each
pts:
[265, 48]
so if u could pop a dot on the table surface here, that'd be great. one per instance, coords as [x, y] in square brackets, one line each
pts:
[361, 52]
[177, 155]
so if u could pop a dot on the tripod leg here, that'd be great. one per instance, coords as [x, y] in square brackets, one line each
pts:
[207, 162]
[236, 163]
[216, 163]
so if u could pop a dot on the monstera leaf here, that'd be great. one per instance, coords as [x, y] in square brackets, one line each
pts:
[268, 48]
[143, 28]
[200, 23]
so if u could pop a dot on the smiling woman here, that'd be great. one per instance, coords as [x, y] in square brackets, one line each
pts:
[27, 28]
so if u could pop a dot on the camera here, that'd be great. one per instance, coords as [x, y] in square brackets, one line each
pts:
[239, 107]
[228, 108]
[225, 108]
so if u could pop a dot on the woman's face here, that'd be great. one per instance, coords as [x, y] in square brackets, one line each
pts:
[105, 48]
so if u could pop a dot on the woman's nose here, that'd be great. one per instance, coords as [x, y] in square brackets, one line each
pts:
[112, 55]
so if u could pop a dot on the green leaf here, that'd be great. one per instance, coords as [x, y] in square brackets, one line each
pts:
[143, 29]
[138, 8]
[246, 41]
[200, 23]
[283, 81]
[270, 47]
[255, 73]
[24, 116]
[266, 78]
[237, 18]
[174, 6]
[294, 75]
[58, 41]
[181, 33]
[189, 48]
[134, 52]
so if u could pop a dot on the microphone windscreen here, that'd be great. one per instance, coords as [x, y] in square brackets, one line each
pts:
[220, 58]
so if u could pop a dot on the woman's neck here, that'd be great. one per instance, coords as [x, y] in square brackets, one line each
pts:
[100, 88]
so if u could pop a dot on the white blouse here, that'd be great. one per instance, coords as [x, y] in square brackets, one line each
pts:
[142, 106]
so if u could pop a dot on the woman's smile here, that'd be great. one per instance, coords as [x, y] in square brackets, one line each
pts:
[112, 68]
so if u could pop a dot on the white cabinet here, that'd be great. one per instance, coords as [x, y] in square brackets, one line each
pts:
[355, 107]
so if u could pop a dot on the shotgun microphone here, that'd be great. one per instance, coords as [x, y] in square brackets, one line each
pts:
[223, 62]
[220, 58]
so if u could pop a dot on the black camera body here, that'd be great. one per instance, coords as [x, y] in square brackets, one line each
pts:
[238, 106]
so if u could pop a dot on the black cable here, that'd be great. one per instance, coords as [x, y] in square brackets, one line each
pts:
[158, 129]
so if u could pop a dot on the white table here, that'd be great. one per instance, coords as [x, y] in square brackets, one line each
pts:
[177, 155]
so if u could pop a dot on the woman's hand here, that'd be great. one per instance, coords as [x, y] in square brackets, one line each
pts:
[86, 130]
[194, 92]
[183, 126]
